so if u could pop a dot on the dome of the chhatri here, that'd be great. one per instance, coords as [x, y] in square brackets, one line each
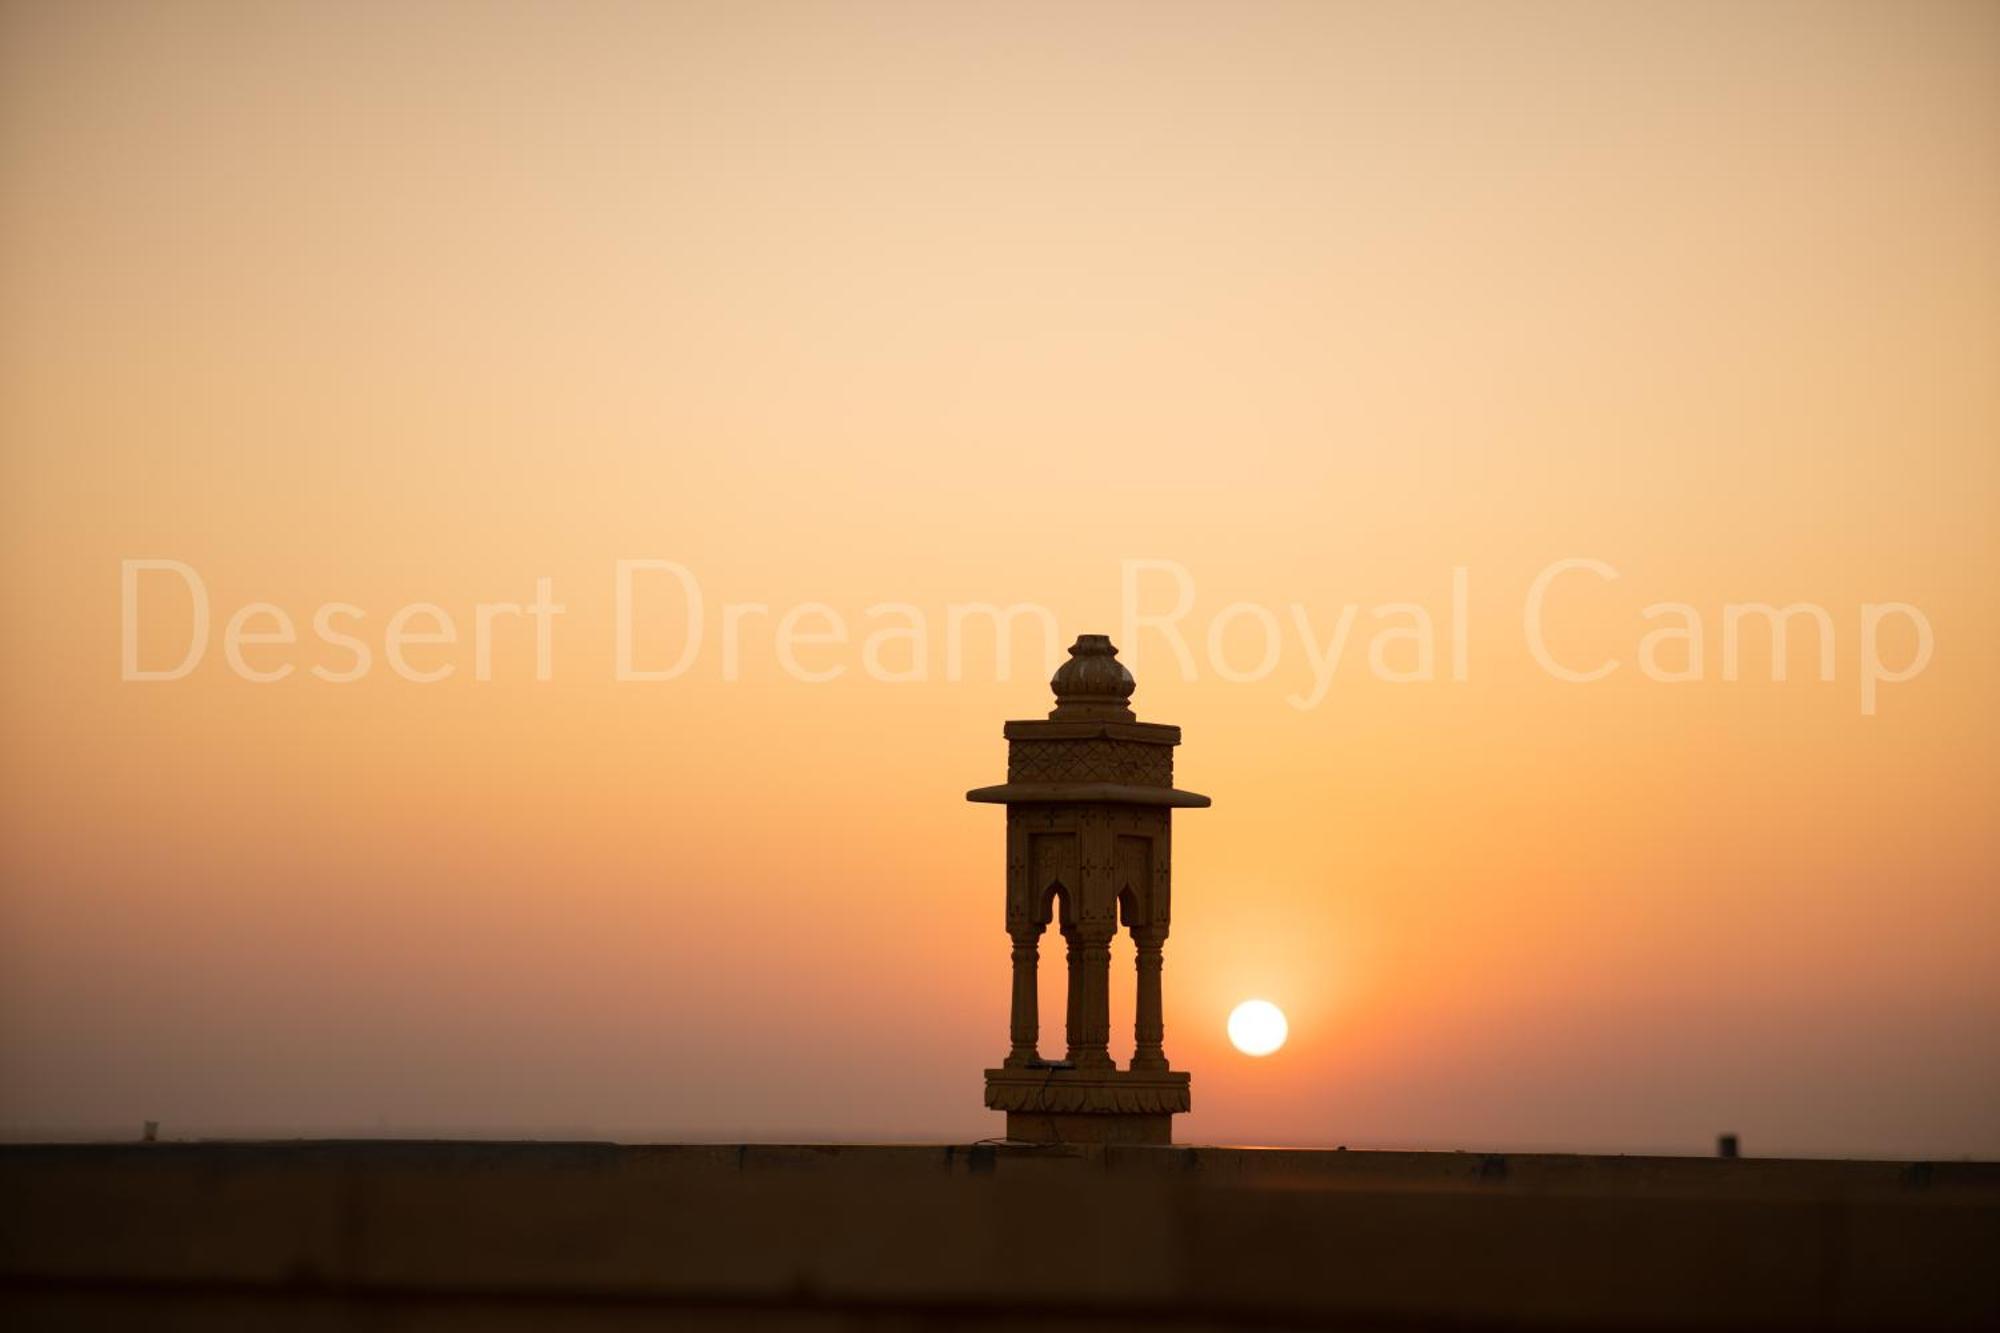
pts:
[1093, 684]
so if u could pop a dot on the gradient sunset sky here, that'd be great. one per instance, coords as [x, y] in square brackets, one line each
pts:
[933, 304]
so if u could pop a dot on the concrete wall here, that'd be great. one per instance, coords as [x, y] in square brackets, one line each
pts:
[504, 1235]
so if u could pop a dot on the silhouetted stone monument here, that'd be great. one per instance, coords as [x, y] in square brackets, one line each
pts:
[1090, 796]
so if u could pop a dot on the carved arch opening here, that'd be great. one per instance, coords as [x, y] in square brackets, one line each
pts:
[1054, 902]
[1054, 906]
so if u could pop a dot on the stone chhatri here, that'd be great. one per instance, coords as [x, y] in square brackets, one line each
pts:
[1090, 799]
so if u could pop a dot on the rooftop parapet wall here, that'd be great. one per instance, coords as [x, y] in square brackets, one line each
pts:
[435, 1234]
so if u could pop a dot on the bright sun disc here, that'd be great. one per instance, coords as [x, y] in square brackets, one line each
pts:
[1257, 1027]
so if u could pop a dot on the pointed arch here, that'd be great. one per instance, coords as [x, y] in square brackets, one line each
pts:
[1055, 902]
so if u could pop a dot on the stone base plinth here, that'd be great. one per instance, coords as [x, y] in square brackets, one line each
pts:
[1088, 1106]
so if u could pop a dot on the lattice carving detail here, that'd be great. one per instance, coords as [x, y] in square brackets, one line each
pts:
[1099, 760]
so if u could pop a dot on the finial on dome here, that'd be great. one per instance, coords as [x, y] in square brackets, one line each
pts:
[1093, 685]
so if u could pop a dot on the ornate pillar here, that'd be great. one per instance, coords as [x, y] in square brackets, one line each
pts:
[1090, 996]
[1073, 973]
[1024, 1028]
[1148, 1027]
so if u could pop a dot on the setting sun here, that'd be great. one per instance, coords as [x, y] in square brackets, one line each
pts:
[1257, 1027]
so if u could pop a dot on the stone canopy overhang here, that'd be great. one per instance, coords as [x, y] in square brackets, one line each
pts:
[1077, 793]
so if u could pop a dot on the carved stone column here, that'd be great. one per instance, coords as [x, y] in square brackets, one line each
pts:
[1090, 994]
[1073, 971]
[1026, 1021]
[1148, 1027]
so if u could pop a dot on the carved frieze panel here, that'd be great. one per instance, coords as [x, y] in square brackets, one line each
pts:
[1065, 1093]
[1098, 760]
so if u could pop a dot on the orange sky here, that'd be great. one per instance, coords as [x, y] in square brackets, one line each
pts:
[933, 305]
